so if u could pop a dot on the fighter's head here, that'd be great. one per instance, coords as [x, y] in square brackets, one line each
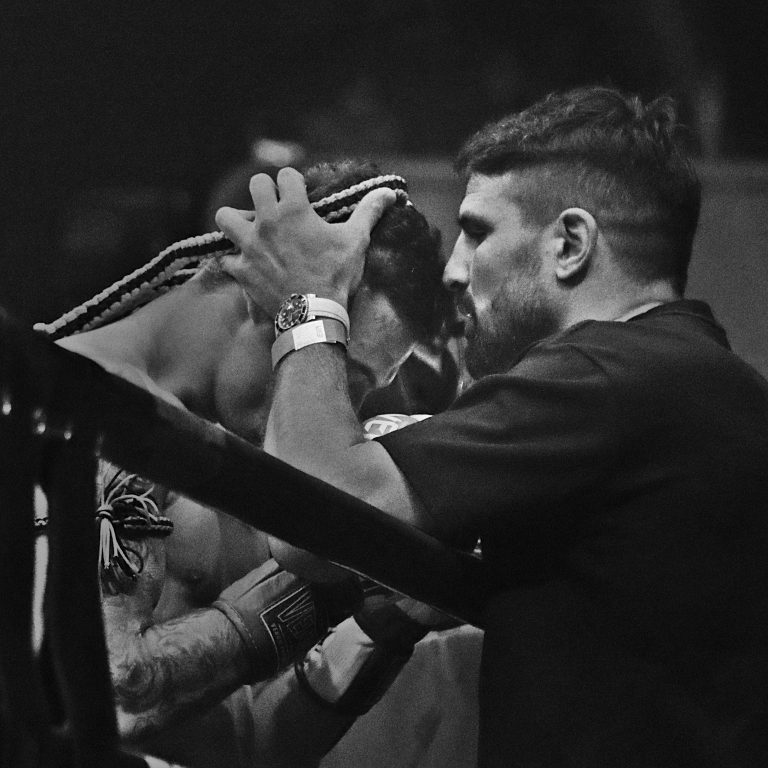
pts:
[401, 300]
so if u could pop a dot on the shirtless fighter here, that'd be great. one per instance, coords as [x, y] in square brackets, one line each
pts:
[184, 591]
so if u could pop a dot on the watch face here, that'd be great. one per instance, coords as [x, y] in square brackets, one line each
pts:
[293, 311]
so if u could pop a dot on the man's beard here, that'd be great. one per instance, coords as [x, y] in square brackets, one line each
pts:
[517, 319]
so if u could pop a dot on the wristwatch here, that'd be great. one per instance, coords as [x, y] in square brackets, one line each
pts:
[301, 308]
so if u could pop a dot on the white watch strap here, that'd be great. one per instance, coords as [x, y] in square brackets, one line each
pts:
[327, 308]
[325, 331]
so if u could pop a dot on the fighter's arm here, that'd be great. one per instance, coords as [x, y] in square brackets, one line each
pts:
[160, 672]
[165, 671]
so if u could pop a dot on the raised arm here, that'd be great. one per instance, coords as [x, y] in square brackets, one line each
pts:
[287, 248]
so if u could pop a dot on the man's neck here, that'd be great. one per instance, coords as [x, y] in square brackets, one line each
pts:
[620, 305]
[639, 310]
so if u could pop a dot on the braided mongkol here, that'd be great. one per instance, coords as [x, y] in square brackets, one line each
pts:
[182, 260]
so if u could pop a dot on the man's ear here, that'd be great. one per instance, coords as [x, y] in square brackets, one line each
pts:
[576, 232]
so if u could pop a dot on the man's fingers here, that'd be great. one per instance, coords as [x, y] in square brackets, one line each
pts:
[291, 186]
[233, 224]
[263, 191]
[371, 208]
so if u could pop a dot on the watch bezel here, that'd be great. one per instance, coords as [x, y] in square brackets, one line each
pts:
[293, 311]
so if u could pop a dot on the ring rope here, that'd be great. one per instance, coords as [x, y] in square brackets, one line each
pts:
[146, 435]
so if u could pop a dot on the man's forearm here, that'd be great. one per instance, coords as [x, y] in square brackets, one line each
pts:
[311, 412]
[313, 427]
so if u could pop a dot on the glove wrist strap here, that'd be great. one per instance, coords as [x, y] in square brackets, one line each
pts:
[390, 627]
[348, 672]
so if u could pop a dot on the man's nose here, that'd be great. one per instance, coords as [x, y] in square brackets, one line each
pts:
[456, 272]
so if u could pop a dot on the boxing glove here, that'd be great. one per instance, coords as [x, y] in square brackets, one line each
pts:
[280, 616]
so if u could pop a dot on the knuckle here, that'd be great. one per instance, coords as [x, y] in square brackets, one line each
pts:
[267, 227]
[290, 207]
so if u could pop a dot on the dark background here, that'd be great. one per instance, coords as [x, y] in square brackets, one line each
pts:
[117, 120]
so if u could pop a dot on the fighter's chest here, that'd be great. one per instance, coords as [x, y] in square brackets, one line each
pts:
[206, 552]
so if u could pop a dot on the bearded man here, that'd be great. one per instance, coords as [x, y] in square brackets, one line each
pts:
[611, 455]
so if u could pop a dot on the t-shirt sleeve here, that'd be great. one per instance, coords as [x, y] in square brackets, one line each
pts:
[518, 444]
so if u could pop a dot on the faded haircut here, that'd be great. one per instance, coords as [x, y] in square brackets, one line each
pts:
[605, 151]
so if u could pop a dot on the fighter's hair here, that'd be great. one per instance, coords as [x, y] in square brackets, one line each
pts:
[605, 151]
[404, 260]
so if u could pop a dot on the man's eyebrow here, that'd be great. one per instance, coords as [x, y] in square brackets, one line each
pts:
[471, 221]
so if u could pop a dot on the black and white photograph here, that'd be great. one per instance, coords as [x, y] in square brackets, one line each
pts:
[384, 385]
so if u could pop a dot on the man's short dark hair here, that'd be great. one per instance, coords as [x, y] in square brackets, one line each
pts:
[605, 151]
[404, 260]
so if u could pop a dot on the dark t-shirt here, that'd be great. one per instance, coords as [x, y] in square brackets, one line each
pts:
[618, 478]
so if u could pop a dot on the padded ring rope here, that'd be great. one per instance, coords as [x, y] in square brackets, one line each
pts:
[146, 435]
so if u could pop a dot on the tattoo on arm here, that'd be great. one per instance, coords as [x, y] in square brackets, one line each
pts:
[164, 672]
[175, 668]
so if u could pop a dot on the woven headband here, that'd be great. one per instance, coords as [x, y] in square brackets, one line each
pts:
[182, 260]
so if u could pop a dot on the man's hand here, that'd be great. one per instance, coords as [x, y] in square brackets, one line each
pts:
[285, 247]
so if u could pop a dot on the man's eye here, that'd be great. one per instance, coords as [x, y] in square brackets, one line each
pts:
[475, 234]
